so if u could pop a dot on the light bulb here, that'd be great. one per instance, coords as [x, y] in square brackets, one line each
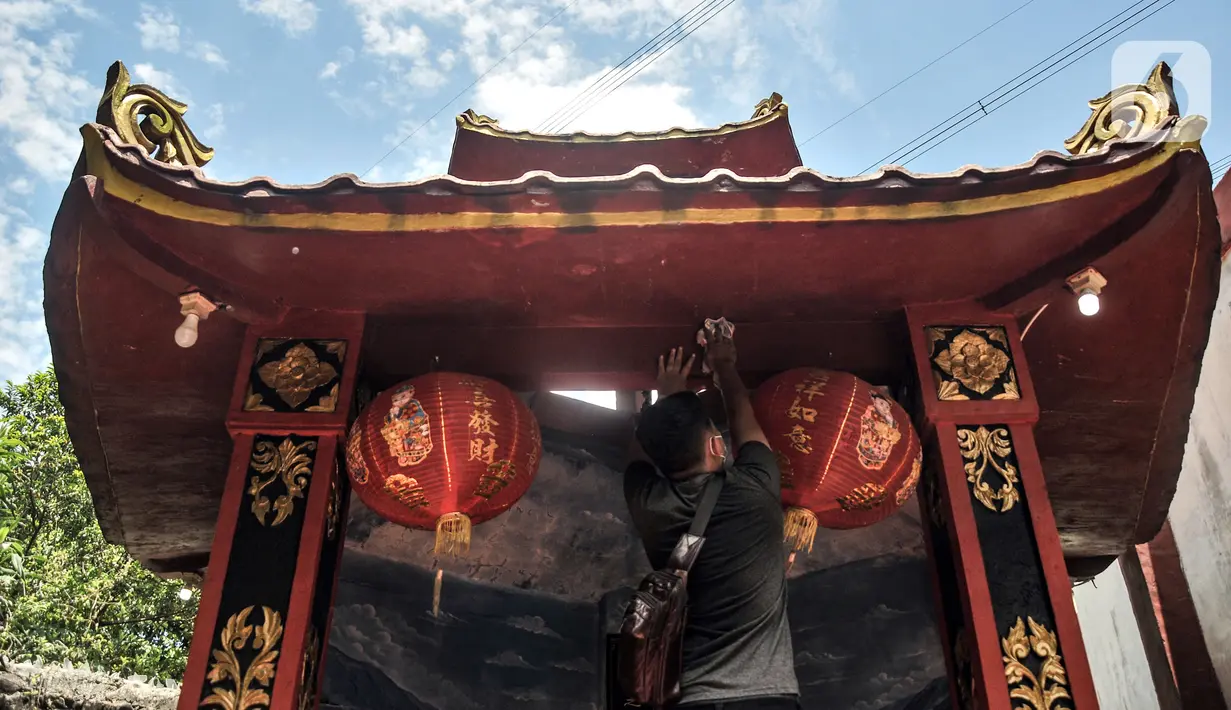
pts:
[1088, 303]
[185, 594]
[186, 334]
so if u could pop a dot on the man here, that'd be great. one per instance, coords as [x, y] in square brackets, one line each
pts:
[737, 642]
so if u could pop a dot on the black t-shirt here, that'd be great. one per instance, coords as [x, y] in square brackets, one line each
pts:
[737, 643]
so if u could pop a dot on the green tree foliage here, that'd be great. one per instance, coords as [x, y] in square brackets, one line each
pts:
[65, 593]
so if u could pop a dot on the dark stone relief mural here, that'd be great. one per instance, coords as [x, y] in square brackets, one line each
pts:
[570, 534]
[864, 639]
[492, 648]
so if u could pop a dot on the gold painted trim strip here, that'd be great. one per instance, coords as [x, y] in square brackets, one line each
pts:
[122, 188]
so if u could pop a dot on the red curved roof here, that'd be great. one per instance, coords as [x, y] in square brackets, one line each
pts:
[549, 282]
[762, 146]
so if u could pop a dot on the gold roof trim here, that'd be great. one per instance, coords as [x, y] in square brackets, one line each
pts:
[120, 187]
[144, 116]
[766, 111]
[1128, 112]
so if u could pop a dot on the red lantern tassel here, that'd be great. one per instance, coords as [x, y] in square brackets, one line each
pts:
[453, 534]
[800, 528]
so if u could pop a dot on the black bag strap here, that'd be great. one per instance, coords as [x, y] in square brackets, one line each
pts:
[689, 547]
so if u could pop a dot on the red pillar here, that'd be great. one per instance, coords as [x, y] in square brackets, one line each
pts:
[1009, 626]
[263, 622]
[1195, 676]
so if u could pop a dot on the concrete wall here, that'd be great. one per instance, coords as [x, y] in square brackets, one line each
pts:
[1201, 511]
[1113, 643]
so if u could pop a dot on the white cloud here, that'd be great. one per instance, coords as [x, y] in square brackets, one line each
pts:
[158, 29]
[161, 80]
[346, 55]
[160, 32]
[209, 53]
[216, 114]
[330, 70]
[295, 16]
[37, 80]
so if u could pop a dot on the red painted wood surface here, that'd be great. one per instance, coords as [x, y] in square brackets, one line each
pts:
[761, 151]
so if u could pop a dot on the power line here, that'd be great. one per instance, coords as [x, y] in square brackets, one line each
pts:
[675, 33]
[916, 73]
[904, 151]
[1035, 82]
[1009, 91]
[979, 106]
[470, 86]
[1221, 163]
[555, 115]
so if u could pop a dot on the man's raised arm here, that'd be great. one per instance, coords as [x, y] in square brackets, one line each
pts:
[720, 356]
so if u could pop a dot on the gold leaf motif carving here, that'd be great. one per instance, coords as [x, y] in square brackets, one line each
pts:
[328, 402]
[297, 375]
[248, 685]
[144, 116]
[948, 390]
[1128, 112]
[254, 402]
[1010, 388]
[289, 462]
[973, 361]
[1050, 686]
[982, 448]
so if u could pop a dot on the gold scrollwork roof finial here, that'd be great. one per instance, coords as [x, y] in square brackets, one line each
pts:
[470, 117]
[144, 116]
[1129, 111]
[768, 106]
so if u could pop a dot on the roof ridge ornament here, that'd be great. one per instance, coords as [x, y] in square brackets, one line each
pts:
[766, 107]
[473, 118]
[1128, 112]
[145, 116]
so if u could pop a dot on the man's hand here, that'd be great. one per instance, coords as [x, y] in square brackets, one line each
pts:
[673, 372]
[719, 350]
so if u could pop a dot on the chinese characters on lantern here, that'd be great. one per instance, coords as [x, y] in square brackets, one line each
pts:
[498, 475]
[482, 438]
[812, 386]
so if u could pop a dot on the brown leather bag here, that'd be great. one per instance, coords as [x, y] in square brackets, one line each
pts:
[650, 655]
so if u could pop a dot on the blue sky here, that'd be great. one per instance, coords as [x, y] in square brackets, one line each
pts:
[303, 89]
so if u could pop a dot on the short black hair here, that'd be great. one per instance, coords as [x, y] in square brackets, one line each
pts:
[673, 432]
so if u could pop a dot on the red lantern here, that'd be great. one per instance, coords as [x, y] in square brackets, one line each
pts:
[444, 450]
[848, 453]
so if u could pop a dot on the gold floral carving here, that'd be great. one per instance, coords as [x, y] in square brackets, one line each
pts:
[298, 374]
[142, 115]
[1050, 686]
[982, 448]
[288, 461]
[865, 497]
[972, 361]
[248, 685]
[1128, 112]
